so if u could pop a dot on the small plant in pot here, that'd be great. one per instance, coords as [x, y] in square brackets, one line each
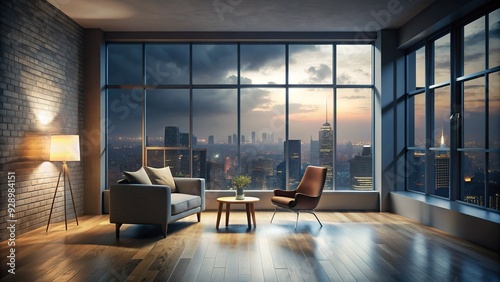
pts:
[239, 183]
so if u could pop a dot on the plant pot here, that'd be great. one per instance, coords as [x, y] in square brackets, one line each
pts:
[240, 195]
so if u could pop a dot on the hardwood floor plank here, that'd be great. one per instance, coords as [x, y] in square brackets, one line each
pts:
[353, 246]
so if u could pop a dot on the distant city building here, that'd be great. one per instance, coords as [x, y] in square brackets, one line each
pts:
[361, 170]
[242, 139]
[326, 152]
[184, 139]
[253, 137]
[235, 139]
[349, 150]
[229, 139]
[314, 152]
[172, 136]
[211, 140]
[264, 138]
[294, 162]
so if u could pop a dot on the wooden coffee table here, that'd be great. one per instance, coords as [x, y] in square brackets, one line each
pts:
[248, 201]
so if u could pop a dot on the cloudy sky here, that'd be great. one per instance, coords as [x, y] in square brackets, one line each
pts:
[262, 107]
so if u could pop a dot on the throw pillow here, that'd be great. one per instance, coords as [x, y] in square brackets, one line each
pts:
[137, 177]
[161, 176]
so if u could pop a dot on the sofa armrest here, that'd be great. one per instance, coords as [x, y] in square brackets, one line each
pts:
[192, 186]
[139, 203]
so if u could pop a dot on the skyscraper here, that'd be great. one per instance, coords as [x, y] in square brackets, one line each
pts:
[294, 162]
[361, 170]
[211, 140]
[326, 152]
[442, 169]
[253, 137]
[172, 136]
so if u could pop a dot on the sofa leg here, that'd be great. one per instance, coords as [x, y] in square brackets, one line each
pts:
[118, 225]
[199, 216]
[164, 229]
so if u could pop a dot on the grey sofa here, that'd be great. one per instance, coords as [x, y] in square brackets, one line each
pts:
[155, 204]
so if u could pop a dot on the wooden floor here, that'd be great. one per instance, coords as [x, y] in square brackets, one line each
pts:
[349, 247]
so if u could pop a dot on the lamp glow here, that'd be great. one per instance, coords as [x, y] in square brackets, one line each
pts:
[64, 148]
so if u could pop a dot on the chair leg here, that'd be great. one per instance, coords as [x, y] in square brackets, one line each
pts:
[297, 220]
[199, 216]
[317, 218]
[274, 214]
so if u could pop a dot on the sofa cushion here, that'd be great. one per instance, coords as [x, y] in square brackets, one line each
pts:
[161, 176]
[183, 202]
[137, 177]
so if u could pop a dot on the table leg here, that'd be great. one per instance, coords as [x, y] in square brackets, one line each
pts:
[228, 208]
[219, 210]
[252, 208]
[248, 205]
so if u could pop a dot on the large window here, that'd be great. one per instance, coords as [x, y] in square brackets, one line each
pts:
[266, 110]
[453, 115]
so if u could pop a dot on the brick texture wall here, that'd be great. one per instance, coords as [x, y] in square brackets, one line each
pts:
[41, 93]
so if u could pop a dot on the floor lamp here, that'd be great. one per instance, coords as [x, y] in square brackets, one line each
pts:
[64, 148]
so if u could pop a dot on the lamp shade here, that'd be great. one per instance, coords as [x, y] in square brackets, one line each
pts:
[64, 148]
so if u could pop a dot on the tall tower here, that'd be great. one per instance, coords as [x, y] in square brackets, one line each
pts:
[442, 169]
[326, 152]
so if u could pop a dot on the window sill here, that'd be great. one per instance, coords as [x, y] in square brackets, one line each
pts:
[452, 206]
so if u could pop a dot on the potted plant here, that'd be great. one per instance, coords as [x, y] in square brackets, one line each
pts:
[239, 183]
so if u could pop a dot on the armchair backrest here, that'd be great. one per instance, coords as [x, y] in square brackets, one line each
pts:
[313, 181]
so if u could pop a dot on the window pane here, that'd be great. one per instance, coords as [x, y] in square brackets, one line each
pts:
[310, 64]
[416, 70]
[442, 117]
[416, 170]
[474, 117]
[472, 188]
[494, 181]
[494, 38]
[262, 135]
[354, 154]
[474, 46]
[124, 132]
[167, 64]
[214, 64]
[262, 64]
[494, 110]
[418, 120]
[310, 123]
[354, 64]
[442, 59]
[125, 64]
[167, 118]
[214, 124]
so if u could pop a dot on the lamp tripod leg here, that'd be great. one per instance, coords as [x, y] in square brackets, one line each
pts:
[71, 191]
[54, 199]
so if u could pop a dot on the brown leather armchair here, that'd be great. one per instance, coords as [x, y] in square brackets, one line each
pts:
[307, 195]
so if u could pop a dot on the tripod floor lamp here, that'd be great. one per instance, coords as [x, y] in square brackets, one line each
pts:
[64, 148]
